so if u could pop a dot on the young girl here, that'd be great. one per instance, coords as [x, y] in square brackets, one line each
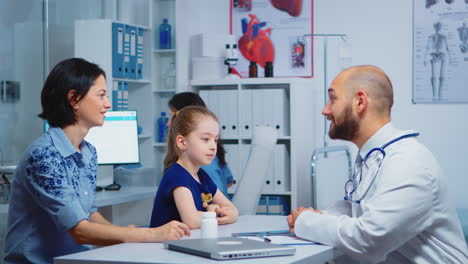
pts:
[186, 190]
[218, 169]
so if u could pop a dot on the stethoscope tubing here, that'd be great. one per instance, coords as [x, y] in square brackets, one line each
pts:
[351, 179]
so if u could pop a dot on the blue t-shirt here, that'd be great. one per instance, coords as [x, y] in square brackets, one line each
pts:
[220, 174]
[164, 208]
[53, 190]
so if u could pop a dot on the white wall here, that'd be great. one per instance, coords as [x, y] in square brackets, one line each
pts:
[381, 34]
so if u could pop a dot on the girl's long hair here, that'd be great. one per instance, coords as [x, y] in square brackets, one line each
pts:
[183, 123]
[184, 99]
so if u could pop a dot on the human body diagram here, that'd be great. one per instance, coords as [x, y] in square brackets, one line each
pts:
[438, 53]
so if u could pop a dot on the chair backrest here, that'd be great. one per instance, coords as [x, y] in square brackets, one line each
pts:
[250, 185]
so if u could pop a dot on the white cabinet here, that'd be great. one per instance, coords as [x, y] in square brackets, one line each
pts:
[283, 103]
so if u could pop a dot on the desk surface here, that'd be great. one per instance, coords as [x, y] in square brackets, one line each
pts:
[156, 253]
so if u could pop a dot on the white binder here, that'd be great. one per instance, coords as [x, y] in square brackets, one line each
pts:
[280, 112]
[281, 167]
[244, 151]
[269, 106]
[246, 113]
[258, 108]
[268, 186]
[218, 104]
[229, 101]
[232, 159]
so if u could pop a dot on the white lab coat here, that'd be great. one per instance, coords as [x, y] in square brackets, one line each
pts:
[403, 217]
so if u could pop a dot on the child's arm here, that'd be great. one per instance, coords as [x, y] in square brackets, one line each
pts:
[226, 209]
[186, 207]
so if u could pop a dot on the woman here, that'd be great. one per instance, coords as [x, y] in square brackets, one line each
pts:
[52, 209]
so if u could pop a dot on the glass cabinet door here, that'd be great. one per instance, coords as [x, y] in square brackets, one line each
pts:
[21, 76]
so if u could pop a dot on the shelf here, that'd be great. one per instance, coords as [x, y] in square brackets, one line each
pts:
[162, 51]
[276, 193]
[248, 81]
[160, 144]
[245, 139]
[142, 81]
[164, 91]
[143, 137]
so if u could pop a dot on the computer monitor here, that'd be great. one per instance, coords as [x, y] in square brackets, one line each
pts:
[116, 142]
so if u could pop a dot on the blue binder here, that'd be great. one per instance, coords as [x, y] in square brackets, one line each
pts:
[132, 70]
[117, 50]
[125, 96]
[120, 97]
[140, 54]
[115, 95]
[126, 50]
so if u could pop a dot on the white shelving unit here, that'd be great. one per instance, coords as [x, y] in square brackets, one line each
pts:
[149, 95]
[294, 136]
[99, 51]
[164, 70]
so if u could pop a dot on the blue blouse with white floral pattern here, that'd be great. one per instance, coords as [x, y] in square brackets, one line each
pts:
[52, 191]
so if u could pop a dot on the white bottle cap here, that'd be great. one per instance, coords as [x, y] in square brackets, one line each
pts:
[209, 214]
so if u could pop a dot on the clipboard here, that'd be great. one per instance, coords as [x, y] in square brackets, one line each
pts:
[265, 233]
[281, 237]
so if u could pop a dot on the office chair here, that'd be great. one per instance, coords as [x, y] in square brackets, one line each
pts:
[250, 185]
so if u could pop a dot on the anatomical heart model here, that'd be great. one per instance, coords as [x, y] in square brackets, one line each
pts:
[276, 31]
[255, 43]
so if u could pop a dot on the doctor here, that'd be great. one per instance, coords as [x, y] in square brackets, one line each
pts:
[396, 207]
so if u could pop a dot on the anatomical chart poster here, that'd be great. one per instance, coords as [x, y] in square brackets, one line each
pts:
[440, 51]
[278, 31]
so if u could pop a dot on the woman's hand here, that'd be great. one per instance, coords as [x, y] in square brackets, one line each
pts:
[173, 230]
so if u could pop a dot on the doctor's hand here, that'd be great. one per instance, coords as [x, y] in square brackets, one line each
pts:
[295, 214]
[173, 230]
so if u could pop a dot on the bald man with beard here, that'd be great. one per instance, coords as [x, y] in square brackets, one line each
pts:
[396, 207]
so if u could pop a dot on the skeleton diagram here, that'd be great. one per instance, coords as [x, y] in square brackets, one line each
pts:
[438, 52]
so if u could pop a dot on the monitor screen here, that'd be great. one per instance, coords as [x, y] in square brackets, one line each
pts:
[116, 141]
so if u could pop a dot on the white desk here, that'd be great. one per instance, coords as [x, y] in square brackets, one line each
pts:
[156, 253]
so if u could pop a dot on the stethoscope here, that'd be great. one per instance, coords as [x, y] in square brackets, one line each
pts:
[351, 185]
